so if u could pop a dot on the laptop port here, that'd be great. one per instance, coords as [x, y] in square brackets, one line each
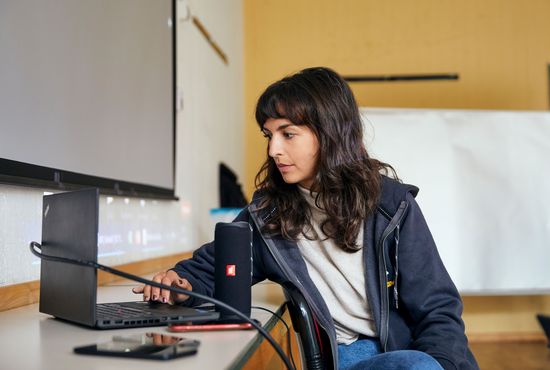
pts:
[106, 322]
[118, 322]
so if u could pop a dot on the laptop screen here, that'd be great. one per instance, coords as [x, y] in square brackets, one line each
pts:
[69, 229]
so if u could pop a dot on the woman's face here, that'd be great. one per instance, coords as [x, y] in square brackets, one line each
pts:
[294, 150]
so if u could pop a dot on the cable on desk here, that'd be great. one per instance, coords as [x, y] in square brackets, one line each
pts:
[35, 246]
[287, 330]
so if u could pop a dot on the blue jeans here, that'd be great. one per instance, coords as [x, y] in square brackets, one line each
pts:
[366, 354]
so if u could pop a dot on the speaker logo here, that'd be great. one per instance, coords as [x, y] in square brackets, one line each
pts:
[230, 270]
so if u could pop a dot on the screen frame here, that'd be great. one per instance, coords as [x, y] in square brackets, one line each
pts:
[14, 172]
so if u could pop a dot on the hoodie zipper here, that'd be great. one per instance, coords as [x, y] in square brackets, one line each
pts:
[284, 267]
[395, 290]
[382, 268]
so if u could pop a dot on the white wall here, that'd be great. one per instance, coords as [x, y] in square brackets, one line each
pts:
[211, 124]
[130, 229]
[210, 129]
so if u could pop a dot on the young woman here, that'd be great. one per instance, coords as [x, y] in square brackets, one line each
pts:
[328, 220]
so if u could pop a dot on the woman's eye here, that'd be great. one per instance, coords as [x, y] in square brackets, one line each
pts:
[289, 135]
[267, 136]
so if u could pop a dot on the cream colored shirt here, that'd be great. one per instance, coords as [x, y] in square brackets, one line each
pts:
[340, 278]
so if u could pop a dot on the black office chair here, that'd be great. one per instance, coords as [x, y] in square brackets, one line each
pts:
[314, 344]
[544, 321]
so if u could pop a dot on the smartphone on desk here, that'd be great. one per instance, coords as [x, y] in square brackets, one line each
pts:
[154, 346]
[177, 328]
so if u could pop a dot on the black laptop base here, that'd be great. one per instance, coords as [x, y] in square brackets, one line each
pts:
[142, 314]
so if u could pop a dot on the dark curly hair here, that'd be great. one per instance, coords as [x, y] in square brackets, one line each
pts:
[347, 182]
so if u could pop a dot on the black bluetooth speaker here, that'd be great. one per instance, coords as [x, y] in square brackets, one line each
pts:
[233, 267]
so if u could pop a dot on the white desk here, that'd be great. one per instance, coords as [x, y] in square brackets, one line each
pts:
[32, 340]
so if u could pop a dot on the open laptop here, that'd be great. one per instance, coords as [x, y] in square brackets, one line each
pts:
[70, 230]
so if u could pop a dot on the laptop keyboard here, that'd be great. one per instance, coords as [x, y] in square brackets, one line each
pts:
[114, 310]
[123, 314]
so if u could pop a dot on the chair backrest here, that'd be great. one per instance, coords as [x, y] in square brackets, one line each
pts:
[544, 321]
[315, 350]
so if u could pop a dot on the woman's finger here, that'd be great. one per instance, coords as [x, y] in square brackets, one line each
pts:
[183, 284]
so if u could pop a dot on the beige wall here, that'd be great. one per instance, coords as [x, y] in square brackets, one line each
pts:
[500, 49]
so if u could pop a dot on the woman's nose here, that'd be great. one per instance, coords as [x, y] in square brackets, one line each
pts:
[275, 149]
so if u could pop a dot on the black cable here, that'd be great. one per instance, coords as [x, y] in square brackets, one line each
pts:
[287, 330]
[95, 265]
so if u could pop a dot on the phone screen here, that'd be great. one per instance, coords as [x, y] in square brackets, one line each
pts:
[148, 345]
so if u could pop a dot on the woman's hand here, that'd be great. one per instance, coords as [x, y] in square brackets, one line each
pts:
[163, 295]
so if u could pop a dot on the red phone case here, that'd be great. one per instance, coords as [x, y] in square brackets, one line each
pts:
[208, 327]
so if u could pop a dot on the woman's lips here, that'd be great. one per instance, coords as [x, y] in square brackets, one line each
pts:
[284, 167]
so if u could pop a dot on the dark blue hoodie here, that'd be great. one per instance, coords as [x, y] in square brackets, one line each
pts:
[414, 303]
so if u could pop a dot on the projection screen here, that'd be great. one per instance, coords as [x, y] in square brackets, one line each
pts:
[87, 88]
